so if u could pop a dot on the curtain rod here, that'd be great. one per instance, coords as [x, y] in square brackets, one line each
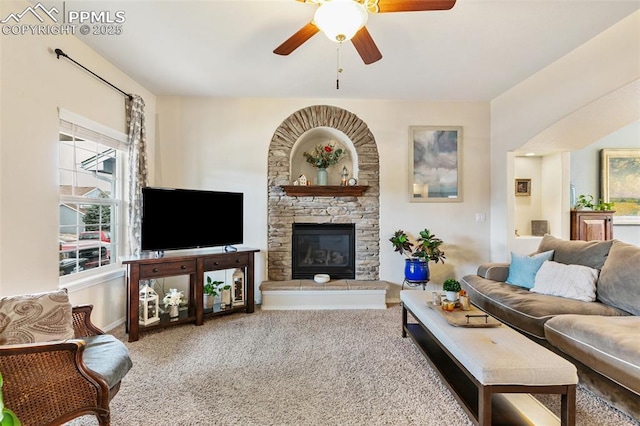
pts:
[59, 53]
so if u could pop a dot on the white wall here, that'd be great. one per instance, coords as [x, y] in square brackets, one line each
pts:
[590, 88]
[33, 85]
[222, 144]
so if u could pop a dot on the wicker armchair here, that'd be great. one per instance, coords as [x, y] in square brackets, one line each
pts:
[50, 383]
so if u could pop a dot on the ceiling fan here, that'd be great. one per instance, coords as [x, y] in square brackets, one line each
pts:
[344, 20]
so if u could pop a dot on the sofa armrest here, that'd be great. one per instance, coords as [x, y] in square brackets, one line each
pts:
[494, 271]
[48, 383]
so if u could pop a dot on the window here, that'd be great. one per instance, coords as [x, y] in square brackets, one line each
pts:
[91, 160]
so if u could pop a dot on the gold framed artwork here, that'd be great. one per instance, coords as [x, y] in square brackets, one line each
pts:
[435, 164]
[523, 187]
[620, 183]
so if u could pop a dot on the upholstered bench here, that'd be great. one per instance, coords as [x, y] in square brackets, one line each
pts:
[335, 294]
[495, 360]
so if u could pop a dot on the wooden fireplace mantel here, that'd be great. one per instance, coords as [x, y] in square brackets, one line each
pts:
[324, 190]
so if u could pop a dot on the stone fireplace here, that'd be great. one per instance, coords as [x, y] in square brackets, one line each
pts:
[337, 207]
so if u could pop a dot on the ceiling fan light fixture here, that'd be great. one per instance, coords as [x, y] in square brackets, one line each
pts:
[340, 20]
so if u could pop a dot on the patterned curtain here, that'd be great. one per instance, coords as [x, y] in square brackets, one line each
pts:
[137, 139]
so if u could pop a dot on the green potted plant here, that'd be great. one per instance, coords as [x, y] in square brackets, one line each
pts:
[584, 202]
[602, 206]
[587, 202]
[452, 288]
[210, 290]
[418, 255]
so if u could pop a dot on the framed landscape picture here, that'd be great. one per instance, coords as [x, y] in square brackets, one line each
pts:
[620, 183]
[435, 164]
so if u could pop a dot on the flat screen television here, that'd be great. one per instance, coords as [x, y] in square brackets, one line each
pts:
[174, 218]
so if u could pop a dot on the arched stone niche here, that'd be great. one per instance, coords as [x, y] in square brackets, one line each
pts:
[299, 133]
[323, 136]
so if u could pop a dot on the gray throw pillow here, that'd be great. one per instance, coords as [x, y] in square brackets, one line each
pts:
[34, 318]
[619, 283]
[574, 252]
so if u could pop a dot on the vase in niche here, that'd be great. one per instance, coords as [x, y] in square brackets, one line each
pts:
[322, 176]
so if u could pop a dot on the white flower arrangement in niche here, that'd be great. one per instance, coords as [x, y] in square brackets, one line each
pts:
[173, 298]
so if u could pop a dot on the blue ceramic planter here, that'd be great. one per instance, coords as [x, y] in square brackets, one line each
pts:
[416, 270]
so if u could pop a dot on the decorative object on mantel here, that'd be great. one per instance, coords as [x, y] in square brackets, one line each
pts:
[172, 300]
[324, 191]
[352, 181]
[417, 260]
[322, 157]
[302, 181]
[344, 176]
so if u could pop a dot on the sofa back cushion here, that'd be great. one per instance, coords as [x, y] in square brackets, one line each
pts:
[34, 318]
[586, 253]
[619, 283]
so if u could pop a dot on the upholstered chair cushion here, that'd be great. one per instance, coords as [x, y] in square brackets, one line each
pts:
[108, 357]
[34, 318]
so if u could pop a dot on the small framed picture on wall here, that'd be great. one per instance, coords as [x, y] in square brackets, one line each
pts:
[523, 187]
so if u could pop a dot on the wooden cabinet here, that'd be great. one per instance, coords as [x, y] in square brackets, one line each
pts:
[590, 225]
[194, 265]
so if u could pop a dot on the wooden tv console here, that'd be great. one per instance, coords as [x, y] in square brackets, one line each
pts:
[194, 264]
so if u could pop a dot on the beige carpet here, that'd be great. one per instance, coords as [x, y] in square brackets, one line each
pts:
[295, 368]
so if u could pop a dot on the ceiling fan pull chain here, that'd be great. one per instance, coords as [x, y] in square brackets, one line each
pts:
[338, 69]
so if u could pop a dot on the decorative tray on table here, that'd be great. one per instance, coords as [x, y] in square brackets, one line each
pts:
[473, 318]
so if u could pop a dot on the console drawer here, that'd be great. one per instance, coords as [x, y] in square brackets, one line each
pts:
[166, 269]
[239, 260]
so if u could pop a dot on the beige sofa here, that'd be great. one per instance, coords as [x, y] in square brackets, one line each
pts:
[599, 336]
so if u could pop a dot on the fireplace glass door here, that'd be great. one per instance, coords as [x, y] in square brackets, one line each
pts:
[323, 249]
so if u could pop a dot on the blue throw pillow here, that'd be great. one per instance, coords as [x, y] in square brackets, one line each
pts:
[523, 269]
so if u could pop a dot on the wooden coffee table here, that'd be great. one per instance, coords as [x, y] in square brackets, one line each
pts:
[491, 371]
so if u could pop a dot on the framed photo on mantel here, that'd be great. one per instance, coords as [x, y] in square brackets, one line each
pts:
[435, 164]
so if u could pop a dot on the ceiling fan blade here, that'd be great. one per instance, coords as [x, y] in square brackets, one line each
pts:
[296, 40]
[366, 47]
[385, 6]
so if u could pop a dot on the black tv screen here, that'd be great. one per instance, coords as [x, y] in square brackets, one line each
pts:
[175, 218]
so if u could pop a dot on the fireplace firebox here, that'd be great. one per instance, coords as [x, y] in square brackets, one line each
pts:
[323, 248]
